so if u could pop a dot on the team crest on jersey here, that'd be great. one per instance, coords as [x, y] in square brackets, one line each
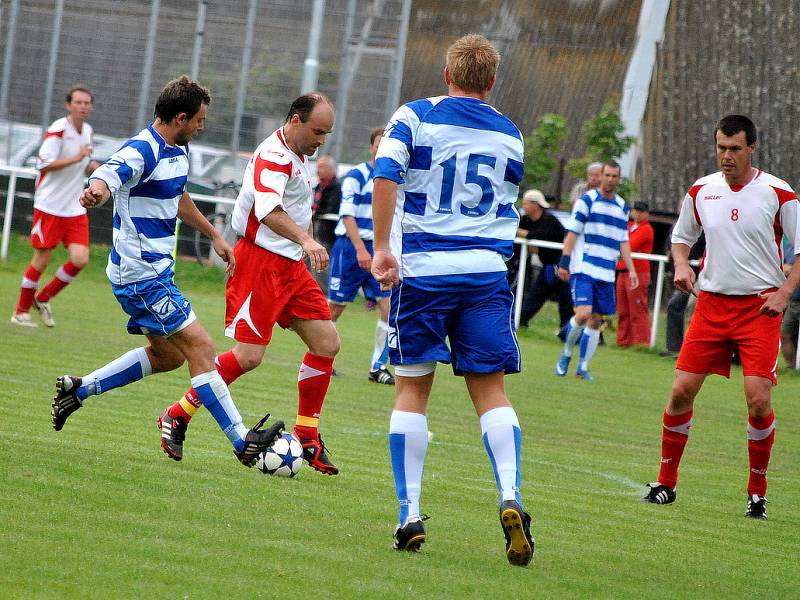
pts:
[335, 283]
[391, 337]
[164, 307]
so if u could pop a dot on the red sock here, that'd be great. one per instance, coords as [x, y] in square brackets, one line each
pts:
[63, 277]
[312, 385]
[228, 368]
[760, 437]
[674, 436]
[30, 281]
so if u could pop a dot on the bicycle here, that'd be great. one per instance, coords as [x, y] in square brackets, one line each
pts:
[221, 220]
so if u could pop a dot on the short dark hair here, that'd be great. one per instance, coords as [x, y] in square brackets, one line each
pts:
[304, 105]
[181, 95]
[78, 87]
[610, 163]
[375, 133]
[733, 124]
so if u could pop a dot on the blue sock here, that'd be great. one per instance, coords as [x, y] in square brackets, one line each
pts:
[408, 444]
[502, 438]
[131, 366]
[589, 341]
[214, 395]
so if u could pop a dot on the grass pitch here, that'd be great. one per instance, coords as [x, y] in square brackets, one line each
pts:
[97, 511]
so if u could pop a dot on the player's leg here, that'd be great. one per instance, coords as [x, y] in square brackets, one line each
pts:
[589, 341]
[66, 273]
[408, 445]
[322, 341]
[30, 281]
[581, 289]
[196, 345]
[760, 439]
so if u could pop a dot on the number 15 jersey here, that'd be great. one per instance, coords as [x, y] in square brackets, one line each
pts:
[458, 163]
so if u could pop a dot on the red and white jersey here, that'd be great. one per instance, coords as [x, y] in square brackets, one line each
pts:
[57, 192]
[743, 226]
[275, 176]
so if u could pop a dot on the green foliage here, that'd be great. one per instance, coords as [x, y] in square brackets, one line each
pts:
[603, 138]
[542, 148]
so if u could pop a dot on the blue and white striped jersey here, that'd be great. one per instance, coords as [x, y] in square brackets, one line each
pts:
[147, 178]
[601, 225]
[458, 163]
[357, 200]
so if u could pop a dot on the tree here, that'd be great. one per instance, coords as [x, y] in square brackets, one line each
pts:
[542, 148]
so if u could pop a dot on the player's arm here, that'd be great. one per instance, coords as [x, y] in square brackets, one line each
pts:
[580, 214]
[684, 274]
[777, 301]
[127, 163]
[48, 160]
[281, 223]
[191, 215]
[686, 232]
[347, 212]
[362, 254]
[625, 251]
[566, 254]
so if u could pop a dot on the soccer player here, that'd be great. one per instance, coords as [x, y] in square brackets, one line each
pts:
[597, 234]
[742, 293]
[351, 258]
[271, 283]
[58, 217]
[448, 168]
[147, 178]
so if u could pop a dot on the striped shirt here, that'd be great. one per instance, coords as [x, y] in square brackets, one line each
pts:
[458, 163]
[275, 176]
[147, 178]
[601, 225]
[357, 200]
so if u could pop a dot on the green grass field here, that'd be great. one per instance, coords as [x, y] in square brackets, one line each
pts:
[97, 511]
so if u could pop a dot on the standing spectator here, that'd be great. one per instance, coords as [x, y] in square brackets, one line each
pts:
[351, 258]
[596, 235]
[634, 322]
[591, 182]
[742, 295]
[448, 171]
[58, 217]
[791, 318]
[538, 223]
[677, 305]
[327, 196]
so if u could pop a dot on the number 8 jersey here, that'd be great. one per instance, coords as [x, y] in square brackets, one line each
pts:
[458, 163]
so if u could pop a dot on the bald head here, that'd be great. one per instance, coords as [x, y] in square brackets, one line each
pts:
[326, 167]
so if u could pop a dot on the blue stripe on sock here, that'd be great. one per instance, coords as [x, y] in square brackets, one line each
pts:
[209, 399]
[381, 362]
[397, 453]
[494, 464]
[584, 345]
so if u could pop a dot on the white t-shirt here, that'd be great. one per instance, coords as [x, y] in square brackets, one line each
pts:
[275, 176]
[58, 192]
[743, 226]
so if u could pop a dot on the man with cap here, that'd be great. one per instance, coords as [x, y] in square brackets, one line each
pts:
[634, 321]
[538, 223]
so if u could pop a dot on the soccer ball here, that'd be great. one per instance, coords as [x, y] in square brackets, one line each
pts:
[284, 458]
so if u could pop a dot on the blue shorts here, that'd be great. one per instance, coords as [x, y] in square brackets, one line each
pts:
[477, 321]
[155, 306]
[346, 277]
[587, 291]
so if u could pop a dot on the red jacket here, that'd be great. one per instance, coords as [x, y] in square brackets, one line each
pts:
[640, 237]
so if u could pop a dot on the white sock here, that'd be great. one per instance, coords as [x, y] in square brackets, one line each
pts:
[214, 395]
[574, 332]
[589, 342]
[502, 438]
[408, 445]
[131, 366]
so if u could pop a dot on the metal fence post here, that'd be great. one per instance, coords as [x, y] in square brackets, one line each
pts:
[199, 32]
[147, 72]
[242, 91]
[9, 213]
[521, 271]
[58, 16]
[311, 64]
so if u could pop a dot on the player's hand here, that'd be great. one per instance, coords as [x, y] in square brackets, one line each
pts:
[776, 302]
[685, 278]
[563, 274]
[364, 259]
[633, 278]
[225, 252]
[91, 197]
[86, 151]
[385, 269]
[316, 254]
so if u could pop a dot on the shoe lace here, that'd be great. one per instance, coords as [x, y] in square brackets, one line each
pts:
[322, 445]
[260, 424]
[178, 429]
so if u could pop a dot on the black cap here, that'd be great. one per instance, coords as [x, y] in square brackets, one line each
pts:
[641, 206]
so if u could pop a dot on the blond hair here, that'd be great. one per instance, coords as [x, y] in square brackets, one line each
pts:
[472, 61]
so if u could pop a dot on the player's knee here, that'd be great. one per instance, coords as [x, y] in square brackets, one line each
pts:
[79, 260]
[327, 345]
[248, 362]
[682, 396]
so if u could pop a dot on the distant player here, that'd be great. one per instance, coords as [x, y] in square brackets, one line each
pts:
[58, 217]
[271, 283]
[147, 178]
[448, 169]
[742, 294]
[597, 234]
[351, 258]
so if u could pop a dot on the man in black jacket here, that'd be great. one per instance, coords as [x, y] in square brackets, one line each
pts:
[327, 195]
[537, 223]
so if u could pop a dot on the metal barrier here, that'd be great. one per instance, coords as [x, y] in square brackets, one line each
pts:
[523, 267]
[13, 173]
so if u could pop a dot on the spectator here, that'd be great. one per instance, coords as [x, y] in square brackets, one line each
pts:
[791, 318]
[327, 196]
[677, 305]
[538, 223]
[592, 181]
[634, 322]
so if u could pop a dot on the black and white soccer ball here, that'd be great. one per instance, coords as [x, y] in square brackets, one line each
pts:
[284, 458]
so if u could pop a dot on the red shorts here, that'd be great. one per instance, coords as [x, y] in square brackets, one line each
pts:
[722, 323]
[48, 231]
[267, 288]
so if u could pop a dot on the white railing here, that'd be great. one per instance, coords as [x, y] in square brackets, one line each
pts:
[13, 173]
[523, 267]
